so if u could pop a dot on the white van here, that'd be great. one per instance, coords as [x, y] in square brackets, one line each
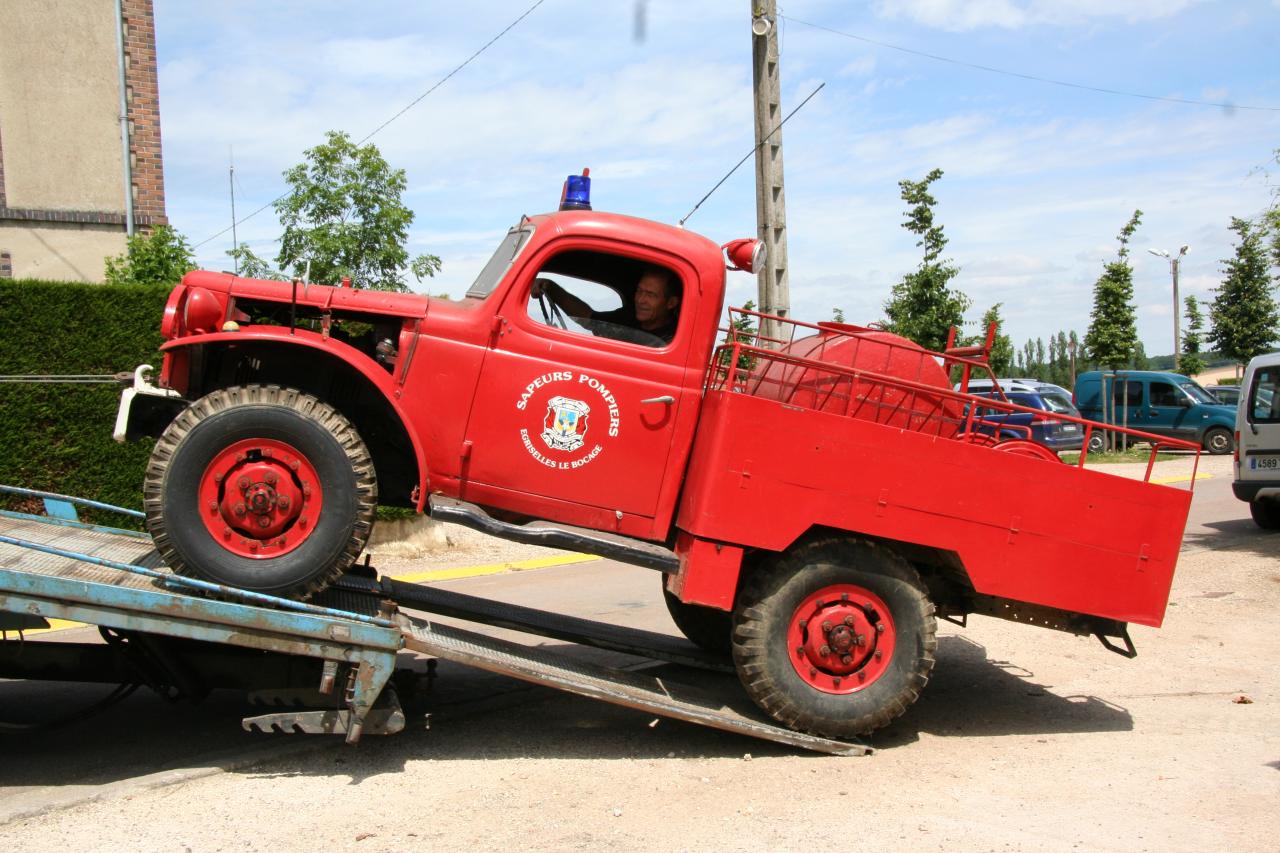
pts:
[1258, 441]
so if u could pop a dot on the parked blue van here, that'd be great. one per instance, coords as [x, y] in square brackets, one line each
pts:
[1165, 404]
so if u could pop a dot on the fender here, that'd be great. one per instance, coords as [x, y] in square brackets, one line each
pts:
[386, 383]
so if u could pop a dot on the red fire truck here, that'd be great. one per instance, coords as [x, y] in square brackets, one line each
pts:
[814, 495]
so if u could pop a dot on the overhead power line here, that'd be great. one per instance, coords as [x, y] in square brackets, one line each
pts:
[409, 106]
[1032, 77]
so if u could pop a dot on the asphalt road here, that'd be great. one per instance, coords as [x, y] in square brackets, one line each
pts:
[146, 741]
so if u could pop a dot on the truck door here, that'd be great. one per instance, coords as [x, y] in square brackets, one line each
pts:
[1166, 411]
[586, 414]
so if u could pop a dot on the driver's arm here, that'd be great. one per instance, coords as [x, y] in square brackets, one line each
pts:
[563, 299]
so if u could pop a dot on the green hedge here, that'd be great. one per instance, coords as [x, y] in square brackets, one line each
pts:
[57, 437]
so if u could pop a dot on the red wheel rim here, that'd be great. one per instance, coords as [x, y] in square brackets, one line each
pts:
[260, 498]
[841, 639]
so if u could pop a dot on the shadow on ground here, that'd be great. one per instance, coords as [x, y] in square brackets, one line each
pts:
[479, 716]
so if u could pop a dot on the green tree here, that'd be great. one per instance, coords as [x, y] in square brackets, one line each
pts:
[343, 213]
[249, 265]
[1113, 334]
[1191, 361]
[1001, 356]
[161, 257]
[1246, 320]
[837, 315]
[922, 307]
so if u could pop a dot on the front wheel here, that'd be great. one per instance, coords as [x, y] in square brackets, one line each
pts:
[1266, 512]
[261, 488]
[1219, 441]
[836, 638]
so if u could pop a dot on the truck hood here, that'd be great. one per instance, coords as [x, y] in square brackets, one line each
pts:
[324, 297]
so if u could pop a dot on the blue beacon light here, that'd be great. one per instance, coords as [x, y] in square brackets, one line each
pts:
[576, 194]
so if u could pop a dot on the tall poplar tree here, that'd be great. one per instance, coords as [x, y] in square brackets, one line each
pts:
[1190, 360]
[1246, 320]
[1113, 333]
[922, 307]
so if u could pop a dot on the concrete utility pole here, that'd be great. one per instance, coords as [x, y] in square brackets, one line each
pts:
[1174, 264]
[771, 214]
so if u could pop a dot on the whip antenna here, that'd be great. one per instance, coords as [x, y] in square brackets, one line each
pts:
[749, 153]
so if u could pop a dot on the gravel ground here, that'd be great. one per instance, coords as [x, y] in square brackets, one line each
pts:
[1024, 740]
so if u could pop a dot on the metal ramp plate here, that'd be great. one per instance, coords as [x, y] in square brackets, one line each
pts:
[620, 687]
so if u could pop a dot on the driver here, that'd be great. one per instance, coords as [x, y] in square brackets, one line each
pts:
[657, 306]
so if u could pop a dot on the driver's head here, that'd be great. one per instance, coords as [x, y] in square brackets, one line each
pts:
[657, 297]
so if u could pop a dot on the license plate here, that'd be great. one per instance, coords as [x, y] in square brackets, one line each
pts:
[1264, 463]
[1069, 427]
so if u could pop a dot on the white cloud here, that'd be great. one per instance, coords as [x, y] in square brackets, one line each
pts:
[964, 15]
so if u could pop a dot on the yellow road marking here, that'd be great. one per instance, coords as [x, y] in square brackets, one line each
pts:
[413, 577]
[1185, 478]
[495, 568]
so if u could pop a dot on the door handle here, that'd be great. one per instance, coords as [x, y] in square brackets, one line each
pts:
[665, 398]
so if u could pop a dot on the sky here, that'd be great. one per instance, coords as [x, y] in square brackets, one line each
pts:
[1038, 177]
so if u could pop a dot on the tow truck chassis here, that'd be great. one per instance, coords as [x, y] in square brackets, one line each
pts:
[332, 661]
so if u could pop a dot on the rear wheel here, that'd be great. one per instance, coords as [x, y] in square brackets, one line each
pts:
[1097, 442]
[705, 627]
[1218, 441]
[1266, 512]
[261, 488]
[836, 637]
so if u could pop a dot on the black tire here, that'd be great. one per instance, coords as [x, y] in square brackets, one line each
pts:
[1097, 442]
[1219, 441]
[1266, 512]
[322, 547]
[705, 627]
[770, 600]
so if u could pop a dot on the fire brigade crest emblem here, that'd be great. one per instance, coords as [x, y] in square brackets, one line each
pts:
[565, 424]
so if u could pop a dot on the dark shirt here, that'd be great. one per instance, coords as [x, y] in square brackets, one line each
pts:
[621, 324]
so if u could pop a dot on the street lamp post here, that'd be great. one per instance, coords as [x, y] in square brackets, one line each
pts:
[1174, 263]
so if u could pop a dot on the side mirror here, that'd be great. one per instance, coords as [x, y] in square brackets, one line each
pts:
[1186, 402]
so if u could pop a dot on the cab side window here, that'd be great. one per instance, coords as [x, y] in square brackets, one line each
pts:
[1164, 394]
[608, 296]
[1264, 396]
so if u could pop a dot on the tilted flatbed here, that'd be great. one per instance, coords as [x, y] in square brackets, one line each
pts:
[336, 657]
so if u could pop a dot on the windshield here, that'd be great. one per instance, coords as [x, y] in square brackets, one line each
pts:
[501, 261]
[1199, 394]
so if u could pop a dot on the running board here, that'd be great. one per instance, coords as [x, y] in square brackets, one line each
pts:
[620, 687]
[550, 535]
[544, 623]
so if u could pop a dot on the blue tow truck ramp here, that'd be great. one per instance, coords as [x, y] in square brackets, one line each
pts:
[331, 662]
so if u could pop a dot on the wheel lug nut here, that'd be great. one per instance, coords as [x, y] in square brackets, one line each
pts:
[217, 478]
[836, 681]
[804, 623]
[253, 546]
[846, 660]
[263, 521]
[862, 676]
[879, 654]
[848, 620]
[293, 465]
[243, 483]
[213, 507]
[302, 522]
[226, 533]
[283, 502]
[879, 627]
[824, 651]
[844, 596]
[812, 672]
[239, 510]
[271, 478]
[826, 626]
[799, 651]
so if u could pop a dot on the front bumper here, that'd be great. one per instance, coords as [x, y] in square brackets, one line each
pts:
[144, 408]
